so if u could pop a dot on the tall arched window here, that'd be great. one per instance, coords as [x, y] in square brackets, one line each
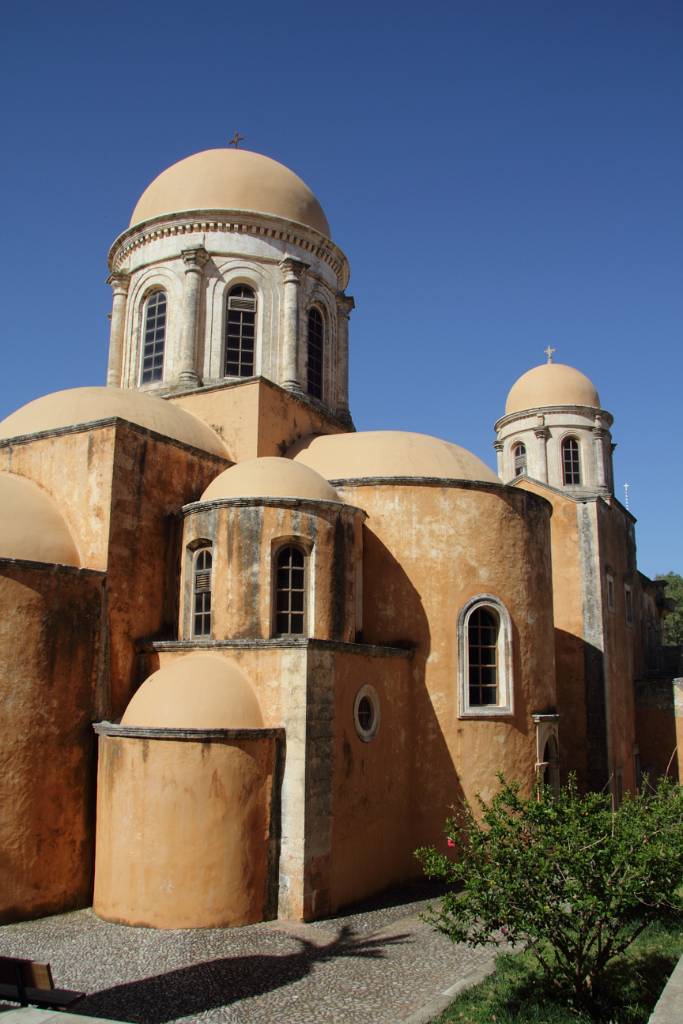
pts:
[153, 338]
[571, 461]
[519, 455]
[485, 657]
[316, 338]
[240, 331]
[290, 591]
[201, 622]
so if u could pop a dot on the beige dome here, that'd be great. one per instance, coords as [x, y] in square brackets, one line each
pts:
[31, 525]
[270, 477]
[231, 179]
[390, 453]
[199, 691]
[551, 384]
[87, 405]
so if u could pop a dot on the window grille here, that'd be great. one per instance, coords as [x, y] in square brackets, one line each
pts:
[519, 453]
[571, 465]
[290, 589]
[316, 335]
[240, 332]
[154, 338]
[202, 593]
[482, 638]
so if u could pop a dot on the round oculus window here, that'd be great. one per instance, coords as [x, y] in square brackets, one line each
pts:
[366, 713]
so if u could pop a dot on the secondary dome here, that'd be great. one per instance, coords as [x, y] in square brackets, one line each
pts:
[231, 179]
[31, 525]
[88, 405]
[270, 477]
[199, 691]
[551, 384]
[385, 453]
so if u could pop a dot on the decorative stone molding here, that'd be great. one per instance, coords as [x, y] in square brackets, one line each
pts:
[120, 284]
[499, 448]
[293, 272]
[194, 260]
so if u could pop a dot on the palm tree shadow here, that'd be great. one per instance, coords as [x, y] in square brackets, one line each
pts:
[214, 983]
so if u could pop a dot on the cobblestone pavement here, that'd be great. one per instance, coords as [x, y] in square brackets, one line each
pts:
[381, 964]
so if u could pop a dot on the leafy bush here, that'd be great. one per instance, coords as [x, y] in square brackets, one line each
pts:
[569, 878]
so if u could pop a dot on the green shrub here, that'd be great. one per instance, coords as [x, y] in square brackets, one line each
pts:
[567, 877]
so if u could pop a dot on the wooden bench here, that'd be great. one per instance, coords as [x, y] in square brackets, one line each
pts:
[25, 981]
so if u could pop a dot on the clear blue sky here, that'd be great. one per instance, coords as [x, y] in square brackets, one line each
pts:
[502, 175]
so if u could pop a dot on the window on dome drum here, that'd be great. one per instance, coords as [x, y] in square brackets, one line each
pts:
[316, 336]
[202, 593]
[485, 658]
[240, 331]
[519, 453]
[290, 591]
[154, 338]
[571, 464]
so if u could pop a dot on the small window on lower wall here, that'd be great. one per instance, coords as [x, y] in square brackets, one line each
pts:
[366, 714]
[485, 658]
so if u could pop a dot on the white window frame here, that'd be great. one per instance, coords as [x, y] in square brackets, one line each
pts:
[505, 682]
[367, 692]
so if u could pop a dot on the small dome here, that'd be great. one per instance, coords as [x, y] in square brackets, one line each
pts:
[231, 179]
[31, 525]
[87, 405]
[551, 384]
[270, 477]
[198, 691]
[385, 453]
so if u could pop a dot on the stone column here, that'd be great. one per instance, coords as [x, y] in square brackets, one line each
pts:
[542, 433]
[119, 284]
[499, 446]
[345, 304]
[292, 272]
[599, 435]
[194, 260]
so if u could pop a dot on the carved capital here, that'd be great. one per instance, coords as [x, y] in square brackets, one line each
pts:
[499, 446]
[599, 433]
[119, 283]
[194, 259]
[345, 303]
[293, 270]
[542, 433]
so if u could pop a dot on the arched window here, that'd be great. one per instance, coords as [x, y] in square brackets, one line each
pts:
[240, 331]
[519, 455]
[201, 623]
[485, 663]
[571, 461]
[153, 338]
[290, 591]
[316, 337]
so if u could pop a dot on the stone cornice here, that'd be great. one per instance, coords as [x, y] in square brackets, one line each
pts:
[287, 643]
[266, 501]
[588, 411]
[237, 221]
[72, 570]
[148, 732]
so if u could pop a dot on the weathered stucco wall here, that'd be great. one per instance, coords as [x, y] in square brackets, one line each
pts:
[183, 836]
[48, 691]
[256, 417]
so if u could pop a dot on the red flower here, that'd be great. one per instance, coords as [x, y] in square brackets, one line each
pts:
[450, 842]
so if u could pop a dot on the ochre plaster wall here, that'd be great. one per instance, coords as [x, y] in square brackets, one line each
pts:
[427, 551]
[48, 680]
[257, 417]
[244, 542]
[183, 831]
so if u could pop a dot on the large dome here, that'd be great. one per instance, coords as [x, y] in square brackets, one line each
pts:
[199, 691]
[88, 405]
[551, 384]
[387, 453]
[270, 477]
[31, 525]
[231, 179]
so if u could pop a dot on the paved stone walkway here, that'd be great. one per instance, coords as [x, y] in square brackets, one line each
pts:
[382, 965]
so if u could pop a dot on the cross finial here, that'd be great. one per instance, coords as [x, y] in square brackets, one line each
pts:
[549, 351]
[235, 140]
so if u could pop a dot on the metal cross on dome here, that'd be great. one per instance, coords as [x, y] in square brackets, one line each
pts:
[549, 351]
[235, 140]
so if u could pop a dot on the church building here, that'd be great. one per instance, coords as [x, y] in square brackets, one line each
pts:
[249, 656]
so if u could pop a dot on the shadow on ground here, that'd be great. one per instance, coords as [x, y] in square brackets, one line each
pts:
[205, 986]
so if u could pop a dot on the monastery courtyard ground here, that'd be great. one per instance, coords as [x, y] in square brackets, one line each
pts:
[375, 965]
